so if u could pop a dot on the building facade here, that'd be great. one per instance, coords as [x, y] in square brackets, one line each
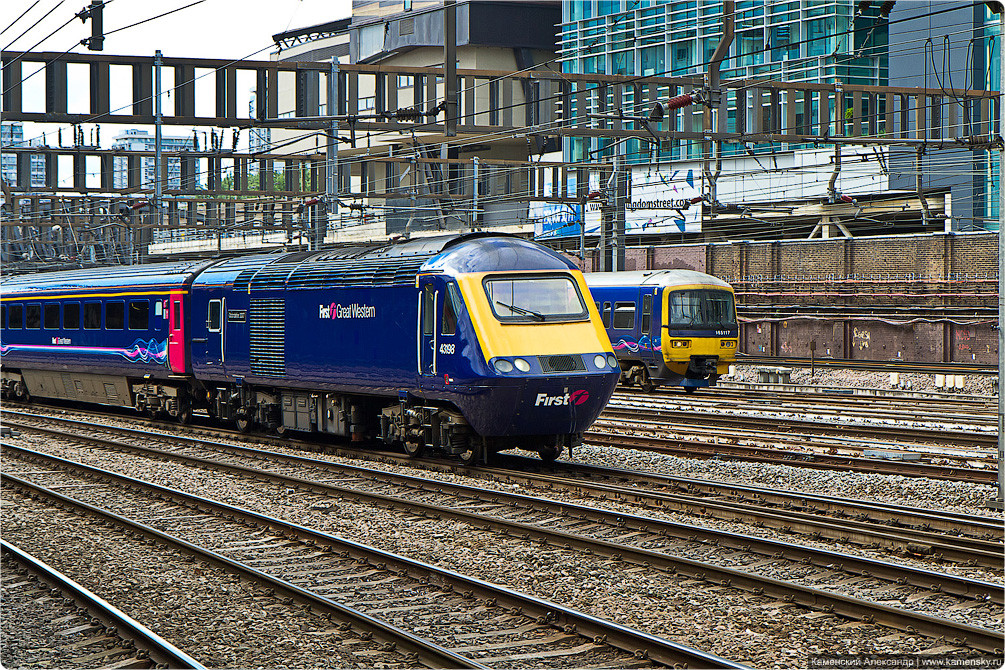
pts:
[12, 135]
[932, 43]
[134, 139]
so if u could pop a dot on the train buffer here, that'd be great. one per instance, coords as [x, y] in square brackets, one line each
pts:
[774, 375]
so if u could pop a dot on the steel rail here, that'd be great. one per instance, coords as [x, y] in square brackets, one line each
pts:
[855, 407]
[958, 549]
[918, 523]
[842, 605]
[971, 551]
[694, 421]
[638, 643]
[956, 524]
[797, 459]
[159, 650]
[872, 366]
[953, 522]
[429, 654]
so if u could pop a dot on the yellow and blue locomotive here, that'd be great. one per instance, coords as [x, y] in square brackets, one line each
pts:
[466, 344]
[668, 327]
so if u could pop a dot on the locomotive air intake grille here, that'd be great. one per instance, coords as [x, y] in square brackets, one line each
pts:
[561, 363]
[268, 336]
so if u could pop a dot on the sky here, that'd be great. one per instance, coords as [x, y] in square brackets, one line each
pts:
[209, 29]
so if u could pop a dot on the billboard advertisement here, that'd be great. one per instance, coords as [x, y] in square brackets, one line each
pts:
[658, 203]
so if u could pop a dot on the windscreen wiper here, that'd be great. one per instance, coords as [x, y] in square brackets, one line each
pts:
[521, 310]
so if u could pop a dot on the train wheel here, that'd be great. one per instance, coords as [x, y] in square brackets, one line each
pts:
[185, 416]
[646, 382]
[549, 454]
[470, 455]
[243, 424]
[690, 389]
[414, 449]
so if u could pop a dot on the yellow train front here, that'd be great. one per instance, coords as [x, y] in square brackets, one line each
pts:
[668, 327]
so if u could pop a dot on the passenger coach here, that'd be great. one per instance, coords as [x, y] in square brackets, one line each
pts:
[668, 327]
[468, 344]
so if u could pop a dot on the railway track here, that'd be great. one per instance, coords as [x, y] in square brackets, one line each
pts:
[77, 627]
[506, 512]
[872, 366]
[709, 428]
[943, 536]
[468, 623]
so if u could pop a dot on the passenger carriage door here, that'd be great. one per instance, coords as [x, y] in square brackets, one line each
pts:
[429, 299]
[177, 356]
[216, 332]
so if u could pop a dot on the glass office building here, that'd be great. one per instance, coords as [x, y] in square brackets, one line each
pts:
[821, 41]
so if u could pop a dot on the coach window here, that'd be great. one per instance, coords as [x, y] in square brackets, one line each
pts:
[92, 315]
[71, 316]
[605, 316]
[16, 316]
[115, 315]
[624, 315]
[50, 316]
[647, 313]
[33, 316]
[139, 314]
[448, 324]
[3, 317]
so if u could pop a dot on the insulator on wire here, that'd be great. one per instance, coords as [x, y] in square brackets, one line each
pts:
[94, 13]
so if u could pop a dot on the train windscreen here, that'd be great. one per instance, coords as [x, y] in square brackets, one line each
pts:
[530, 298]
[702, 309]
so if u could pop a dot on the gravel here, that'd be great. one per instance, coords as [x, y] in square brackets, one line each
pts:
[733, 624]
[204, 611]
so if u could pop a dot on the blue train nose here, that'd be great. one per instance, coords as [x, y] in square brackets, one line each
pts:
[542, 405]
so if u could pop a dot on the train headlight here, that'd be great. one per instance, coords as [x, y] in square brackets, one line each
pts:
[728, 344]
[521, 365]
[600, 361]
[503, 366]
[612, 360]
[680, 344]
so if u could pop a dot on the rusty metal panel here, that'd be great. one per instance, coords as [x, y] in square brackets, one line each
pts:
[79, 170]
[823, 113]
[11, 85]
[55, 87]
[184, 92]
[920, 117]
[143, 89]
[99, 84]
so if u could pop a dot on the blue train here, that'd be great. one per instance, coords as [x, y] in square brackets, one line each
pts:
[668, 327]
[466, 344]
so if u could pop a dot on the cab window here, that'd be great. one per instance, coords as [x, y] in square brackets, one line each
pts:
[624, 315]
[92, 315]
[33, 316]
[535, 298]
[71, 316]
[428, 313]
[605, 316]
[448, 321]
[115, 315]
